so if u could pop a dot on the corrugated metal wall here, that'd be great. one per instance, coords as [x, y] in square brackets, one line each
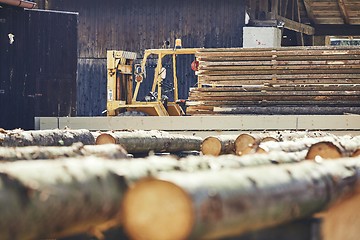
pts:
[143, 24]
[38, 69]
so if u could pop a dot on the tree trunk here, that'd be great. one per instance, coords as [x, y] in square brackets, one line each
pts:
[218, 145]
[110, 151]
[217, 204]
[51, 199]
[145, 141]
[20, 138]
[339, 147]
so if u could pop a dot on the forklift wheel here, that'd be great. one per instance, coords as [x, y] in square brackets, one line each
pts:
[132, 113]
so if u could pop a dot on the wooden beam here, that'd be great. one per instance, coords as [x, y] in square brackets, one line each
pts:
[337, 30]
[297, 18]
[343, 11]
[310, 14]
[296, 26]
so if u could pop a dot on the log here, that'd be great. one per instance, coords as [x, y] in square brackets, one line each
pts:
[51, 199]
[218, 145]
[110, 151]
[56, 137]
[218, 204]
[145, 141]
[339, 147]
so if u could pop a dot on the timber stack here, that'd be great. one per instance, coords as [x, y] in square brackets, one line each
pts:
[291, 80]
[90, 189]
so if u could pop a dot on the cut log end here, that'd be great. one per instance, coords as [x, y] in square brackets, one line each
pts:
[156, 209]
[211, 146]
[244, 144]
[356, 153]
[341, 221]
[269, 139]
[325, 150]
[105, 138]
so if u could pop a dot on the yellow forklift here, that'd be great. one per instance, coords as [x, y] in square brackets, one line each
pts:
[122, 101]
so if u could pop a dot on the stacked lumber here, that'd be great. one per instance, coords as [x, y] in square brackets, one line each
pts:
[288, 80]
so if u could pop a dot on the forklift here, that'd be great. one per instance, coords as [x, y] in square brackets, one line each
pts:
[122, 101]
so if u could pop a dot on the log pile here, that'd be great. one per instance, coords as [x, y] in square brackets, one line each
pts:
[316, 144]
[90, 188]
[291, 80]
[217, 204]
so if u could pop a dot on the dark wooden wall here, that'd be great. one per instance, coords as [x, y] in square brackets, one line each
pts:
[139, 25]
[38, 70]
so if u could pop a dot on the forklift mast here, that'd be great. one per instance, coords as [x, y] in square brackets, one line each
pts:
[119, 83]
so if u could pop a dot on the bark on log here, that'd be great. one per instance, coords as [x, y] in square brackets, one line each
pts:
[337, 148]
[218, 145]
[20, 138]
[217, 204]
[145, 141]
[110, 151]
[49, 199]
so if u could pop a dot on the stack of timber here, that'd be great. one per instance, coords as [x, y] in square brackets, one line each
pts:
[206, 204]
[288, 80]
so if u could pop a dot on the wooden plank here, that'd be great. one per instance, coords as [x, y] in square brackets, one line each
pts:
[204, 95]
[244, 82]
[285, 87]
[270, 103]
[282, 58]
[281, 110]
[276, 67]
[279, 62]
[238, 98]
[343, 11]
[284, 76]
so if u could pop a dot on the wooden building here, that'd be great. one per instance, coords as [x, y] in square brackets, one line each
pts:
[38, 52]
